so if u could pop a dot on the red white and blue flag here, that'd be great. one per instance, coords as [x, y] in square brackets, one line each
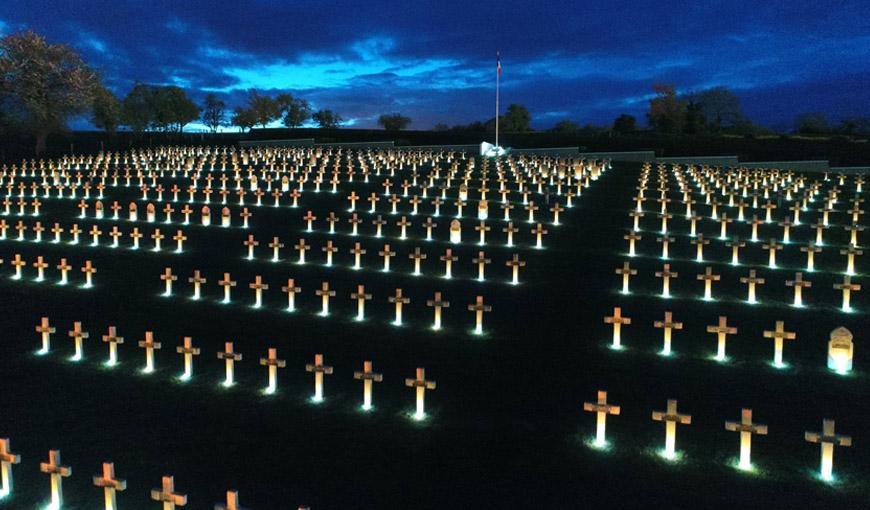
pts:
[498, 62]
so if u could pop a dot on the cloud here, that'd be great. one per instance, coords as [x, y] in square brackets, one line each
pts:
[435, 61]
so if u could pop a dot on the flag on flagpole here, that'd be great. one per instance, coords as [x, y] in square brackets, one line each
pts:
[498, 62]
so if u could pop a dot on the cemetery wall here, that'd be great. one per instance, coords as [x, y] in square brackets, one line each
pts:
[295, 142]
[702, 160]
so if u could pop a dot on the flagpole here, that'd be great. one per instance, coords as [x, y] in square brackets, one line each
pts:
[497, 76]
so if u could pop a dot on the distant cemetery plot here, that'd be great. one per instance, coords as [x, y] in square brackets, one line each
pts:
[433, 250]
[376, 215]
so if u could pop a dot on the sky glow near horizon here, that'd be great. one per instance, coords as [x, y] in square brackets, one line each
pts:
[435, 61]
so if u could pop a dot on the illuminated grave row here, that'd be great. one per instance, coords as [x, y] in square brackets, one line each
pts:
[40, 265]
[746, 427]
[325, 294]
[770, 248]
[840, 347]
[386, 253]
[581, 174]
[95, 233]
[230, 357]
[535, 170]
[455, 229]
[742, 188]
[193, 192]
[743, 182]
[816, 239]
[204, 214]
[109, 483]
[752, 280]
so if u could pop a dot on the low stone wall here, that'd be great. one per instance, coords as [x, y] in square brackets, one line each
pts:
[702, 160]
[797, 166]
[277, 143]
[635, 156]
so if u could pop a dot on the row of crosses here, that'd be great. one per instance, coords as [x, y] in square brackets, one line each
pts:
[722, 329]
[107, 481]
[41, 265]
[736, 244]
[671, 417]
[325, 293]
[229, 357]
[752, 280]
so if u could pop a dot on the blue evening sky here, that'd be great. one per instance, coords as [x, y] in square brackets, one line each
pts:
[435, 60]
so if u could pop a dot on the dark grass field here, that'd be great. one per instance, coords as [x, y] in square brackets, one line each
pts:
[505, 426]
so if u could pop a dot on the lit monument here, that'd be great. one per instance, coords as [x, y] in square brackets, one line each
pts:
[168, 277]
[708, 277]
[448, 258]
[699, 243]
[421, 385]
[78, 335]
[626, 272]
[324, 294]
[367, 376]
[828, 439]
[197, 280]
[483, 228]
[230, 358]
[667, 325]
[539, 231]
[110, 485]
[276, 246]
[417, 256]
[57, 473]
[746, 429]
[291, 290]
[847, 287]
[481, 262]
[232, 502]
[251, 243]
[840, 350]
[455, 232]
[302, 248]
[437, 303]
[398, 299]
[479, 308]
[617, 320]
[274, 364]
[671, 418]
[18, 262]
[772, 247]
[167, 495]
[357, 251]
[45, 330]
[850, 254]
[188, 351]
[601, 409]
[722, 330]
[510, 230]
[811, 249]
[779, 335]
[319, 369]
[150, 346]
[7, 460]
[361, 297]
[666, 274]
[798, 283]
[752, 280]
[113, 340]
[515, 264]
[386, 253]
[258, 287]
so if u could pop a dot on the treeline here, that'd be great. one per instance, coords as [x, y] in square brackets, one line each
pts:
[714, 111]
[43, 86]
